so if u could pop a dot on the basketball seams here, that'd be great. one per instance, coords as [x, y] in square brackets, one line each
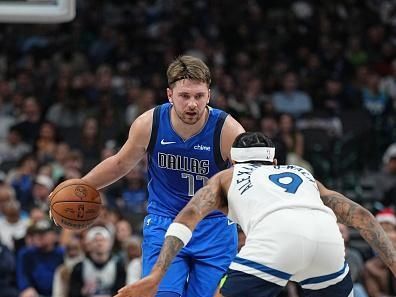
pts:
[73, 195]
[76, 184]
[79, 220]
[76, 201]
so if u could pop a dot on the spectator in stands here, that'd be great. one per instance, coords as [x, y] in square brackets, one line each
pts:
[355, 262]
[88, 143]
[134, 195]
[12, 149]
[46, 142]
[290, 99]
[42, 187]
[385, 180]
[7, 120]
[61, 152]
[7, 273]
[73, 255]
[36, 264]
[294, 141]
[123, 232]
[388, 84]
[7, 194]
[378, 279]
[66, 114]
[145, 102]
[13, 225]
[133, 248]
[133, 94]
[270, 127]
[376, 101]
[99, 273]
[22, 178]
[30, 123]
[36, 214]
[73, 165]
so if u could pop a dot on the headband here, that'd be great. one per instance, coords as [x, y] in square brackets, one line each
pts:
[257, 153]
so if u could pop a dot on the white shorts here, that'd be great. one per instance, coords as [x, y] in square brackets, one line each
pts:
[301, 245]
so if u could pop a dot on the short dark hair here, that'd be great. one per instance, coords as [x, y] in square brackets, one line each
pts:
[253, 139]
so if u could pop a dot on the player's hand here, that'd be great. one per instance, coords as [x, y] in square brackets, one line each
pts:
[49, 210]
[29, 292]
[146, 287]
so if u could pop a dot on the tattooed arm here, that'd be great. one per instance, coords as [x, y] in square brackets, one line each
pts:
[356, 216]
[206, 200]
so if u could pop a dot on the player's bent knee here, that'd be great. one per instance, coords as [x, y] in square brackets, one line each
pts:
[167, 294]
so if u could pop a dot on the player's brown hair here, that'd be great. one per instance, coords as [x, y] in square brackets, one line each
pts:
[188, 67]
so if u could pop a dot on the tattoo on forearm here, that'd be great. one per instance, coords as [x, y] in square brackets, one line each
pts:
[352, 214]
[171, 247]
[204, 201]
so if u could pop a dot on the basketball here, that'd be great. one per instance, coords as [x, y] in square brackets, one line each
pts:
[75, 204]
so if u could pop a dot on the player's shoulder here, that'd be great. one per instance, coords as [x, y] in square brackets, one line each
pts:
[230, 130]
[145, 120]
[142, 126]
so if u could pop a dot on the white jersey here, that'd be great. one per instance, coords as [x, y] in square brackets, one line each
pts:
[290, 233]
[259, 190]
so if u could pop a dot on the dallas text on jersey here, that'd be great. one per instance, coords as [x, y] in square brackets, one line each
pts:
[183, 163]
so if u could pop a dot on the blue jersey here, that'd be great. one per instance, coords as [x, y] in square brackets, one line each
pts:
[178, 168]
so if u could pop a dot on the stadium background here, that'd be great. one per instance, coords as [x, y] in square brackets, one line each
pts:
[317, 76]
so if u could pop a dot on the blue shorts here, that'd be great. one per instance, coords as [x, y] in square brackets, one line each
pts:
[197, 269]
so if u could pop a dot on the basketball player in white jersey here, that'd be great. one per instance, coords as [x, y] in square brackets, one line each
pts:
[290, 222]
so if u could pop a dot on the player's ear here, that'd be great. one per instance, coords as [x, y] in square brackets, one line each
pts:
[208, 97]
[169, 93]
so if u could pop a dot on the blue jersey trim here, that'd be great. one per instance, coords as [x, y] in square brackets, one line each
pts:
[221, 164]
[154, 128]
[263, 268]
[324, 278]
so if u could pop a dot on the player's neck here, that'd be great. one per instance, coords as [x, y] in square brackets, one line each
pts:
[184, 130]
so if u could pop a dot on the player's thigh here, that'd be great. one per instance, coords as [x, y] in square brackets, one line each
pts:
[240, 284]
[203, 280]
[175, 278]
[343, 288]
[212, 248]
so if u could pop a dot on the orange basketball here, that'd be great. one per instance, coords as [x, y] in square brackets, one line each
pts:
[75, 204]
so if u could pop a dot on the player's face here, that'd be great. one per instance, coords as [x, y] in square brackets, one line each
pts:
[189, 99]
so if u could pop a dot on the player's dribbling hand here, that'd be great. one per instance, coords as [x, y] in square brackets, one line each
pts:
[146, 287]
[49, 209]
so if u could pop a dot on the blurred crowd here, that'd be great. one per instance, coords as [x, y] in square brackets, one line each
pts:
[319, 77]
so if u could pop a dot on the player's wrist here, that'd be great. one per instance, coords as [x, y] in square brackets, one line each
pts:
[157, 273]
[179, 231]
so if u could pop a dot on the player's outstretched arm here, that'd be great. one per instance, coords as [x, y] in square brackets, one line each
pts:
[133, 150]
[206, 200]
[354, 215]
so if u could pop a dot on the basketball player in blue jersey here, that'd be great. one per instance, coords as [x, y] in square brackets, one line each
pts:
[186, 142]
[290, 222]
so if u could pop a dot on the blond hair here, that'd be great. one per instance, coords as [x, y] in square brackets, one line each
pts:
[188, 67]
